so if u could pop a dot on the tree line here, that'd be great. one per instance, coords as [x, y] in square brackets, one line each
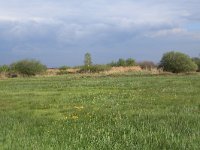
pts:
[175, 62]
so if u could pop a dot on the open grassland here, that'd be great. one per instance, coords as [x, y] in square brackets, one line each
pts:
[100, 112]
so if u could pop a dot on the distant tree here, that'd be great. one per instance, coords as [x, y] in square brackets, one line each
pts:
[88, 59]
[130, 62]
[113, 64]
[197, 61]
[177, 62]
[121, 62]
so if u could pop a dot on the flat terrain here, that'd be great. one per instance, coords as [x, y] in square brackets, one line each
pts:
[100, 112]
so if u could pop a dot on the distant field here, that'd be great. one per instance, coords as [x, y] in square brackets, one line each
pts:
[103, 112]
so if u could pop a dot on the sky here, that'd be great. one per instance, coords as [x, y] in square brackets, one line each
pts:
[60, 32]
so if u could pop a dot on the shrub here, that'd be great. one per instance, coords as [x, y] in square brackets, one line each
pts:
[112, 64]
[94, 69]
[123, 62]
[177, 62]
[148, 65]
[197, 61]
[28, 67]
[4, 68]
[130, 62]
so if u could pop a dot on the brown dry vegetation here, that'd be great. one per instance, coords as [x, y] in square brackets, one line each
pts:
[73, 70]
[123, 69]
[53, 72]
[113, 70]
[3, 76]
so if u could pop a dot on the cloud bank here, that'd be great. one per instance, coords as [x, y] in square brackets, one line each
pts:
[60, 32]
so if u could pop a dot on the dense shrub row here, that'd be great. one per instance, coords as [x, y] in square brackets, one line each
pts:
[123, 62]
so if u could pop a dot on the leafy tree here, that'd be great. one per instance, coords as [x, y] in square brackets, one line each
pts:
[121, 62]
[197, 61]
[28, 67]
[177, 62]
[130, 62]
[113, 64]
[88, 59]
[4, 68]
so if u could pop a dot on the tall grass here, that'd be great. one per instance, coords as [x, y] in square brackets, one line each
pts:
[77, 112]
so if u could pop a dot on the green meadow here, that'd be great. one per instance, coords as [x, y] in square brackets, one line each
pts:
[76, 112]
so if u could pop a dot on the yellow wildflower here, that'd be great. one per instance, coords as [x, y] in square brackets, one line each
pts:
[74, 117]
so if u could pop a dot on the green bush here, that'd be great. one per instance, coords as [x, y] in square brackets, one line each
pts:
[177, 62]
[94, 69]
[123, 63]
[130, 62]
[28, 67]
[112, 64]
[4, 68]
[197, 61]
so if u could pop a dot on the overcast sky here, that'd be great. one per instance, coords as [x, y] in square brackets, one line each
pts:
[61, 32]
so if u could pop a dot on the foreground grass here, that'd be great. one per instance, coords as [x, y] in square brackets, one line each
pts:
[75, 112]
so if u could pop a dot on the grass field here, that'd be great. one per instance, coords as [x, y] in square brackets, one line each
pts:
[112, 112]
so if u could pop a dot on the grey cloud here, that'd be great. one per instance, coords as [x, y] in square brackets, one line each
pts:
[43, 29]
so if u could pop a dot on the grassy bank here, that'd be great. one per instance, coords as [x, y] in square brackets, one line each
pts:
[104, 112]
